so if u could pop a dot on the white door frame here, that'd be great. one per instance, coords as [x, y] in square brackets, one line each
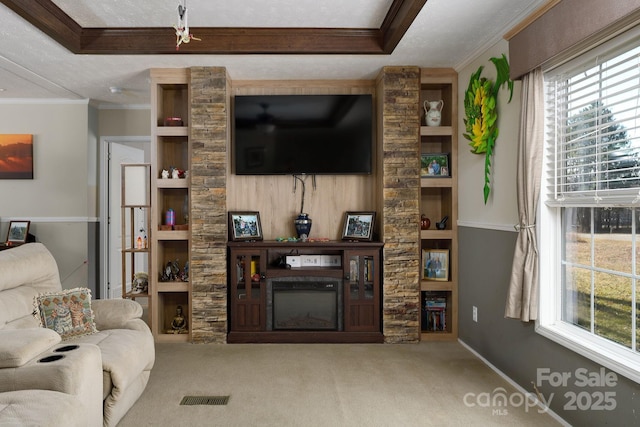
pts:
[104, 203]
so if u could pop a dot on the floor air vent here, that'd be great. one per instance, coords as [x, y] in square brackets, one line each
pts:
[205, 400]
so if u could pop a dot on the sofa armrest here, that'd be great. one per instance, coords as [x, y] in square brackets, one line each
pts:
[116, 313]
[18, 346]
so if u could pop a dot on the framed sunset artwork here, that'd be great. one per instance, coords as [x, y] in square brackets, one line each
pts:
[16, 156]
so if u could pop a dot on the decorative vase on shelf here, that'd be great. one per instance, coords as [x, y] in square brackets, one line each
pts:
[303, 226]
[433, 112]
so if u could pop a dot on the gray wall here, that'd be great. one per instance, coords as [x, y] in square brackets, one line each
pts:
[513, 346]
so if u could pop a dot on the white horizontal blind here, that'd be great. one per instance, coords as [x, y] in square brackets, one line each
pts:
[593, 130]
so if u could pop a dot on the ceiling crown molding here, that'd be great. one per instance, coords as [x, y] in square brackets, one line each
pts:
[53, 21]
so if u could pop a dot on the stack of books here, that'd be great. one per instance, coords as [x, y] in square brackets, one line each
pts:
[435, 313]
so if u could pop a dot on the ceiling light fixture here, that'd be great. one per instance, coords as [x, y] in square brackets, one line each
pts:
[115, 89]
[182, 29]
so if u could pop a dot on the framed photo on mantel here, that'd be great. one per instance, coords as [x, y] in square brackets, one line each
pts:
[244, 226]
[358, 226]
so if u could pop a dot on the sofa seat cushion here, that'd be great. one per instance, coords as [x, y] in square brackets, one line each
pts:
[125, 354]
[42, 408]
[17, 347]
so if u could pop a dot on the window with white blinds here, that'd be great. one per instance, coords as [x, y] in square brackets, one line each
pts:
[593, 123]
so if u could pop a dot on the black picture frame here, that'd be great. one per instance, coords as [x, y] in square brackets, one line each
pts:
[18, 232]
[245, 226]
[358, 226]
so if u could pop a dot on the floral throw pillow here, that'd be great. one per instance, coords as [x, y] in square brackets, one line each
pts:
[67, 312]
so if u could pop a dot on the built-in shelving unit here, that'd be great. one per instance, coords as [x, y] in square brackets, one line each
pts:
[170, 245]
[439, 199]
[135, 222]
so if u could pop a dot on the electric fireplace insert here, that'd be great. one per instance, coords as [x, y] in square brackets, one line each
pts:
[304, 304]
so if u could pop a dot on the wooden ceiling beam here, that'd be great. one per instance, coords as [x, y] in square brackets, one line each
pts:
[54, 22]
[230, 41]
[50, 19]
[399, 18]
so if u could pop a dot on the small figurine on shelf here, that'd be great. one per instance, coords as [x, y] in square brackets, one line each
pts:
[165, 174]
[184, 274]
[140, 283]
[171, 272]
[179, 323]
[175, 173]
[442, 224]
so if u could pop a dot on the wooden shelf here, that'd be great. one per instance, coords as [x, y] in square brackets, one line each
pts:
[131, 295]
[172, 235]
[436, 130]
[135, 251]
[434, 285]
[172, 130]
[173, 286]
[172, 183]
[436, 182]
[436, 234]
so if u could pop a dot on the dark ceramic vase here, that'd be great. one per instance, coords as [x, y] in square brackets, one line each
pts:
[303, 226]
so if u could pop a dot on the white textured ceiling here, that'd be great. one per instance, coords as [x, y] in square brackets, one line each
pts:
[446, 33]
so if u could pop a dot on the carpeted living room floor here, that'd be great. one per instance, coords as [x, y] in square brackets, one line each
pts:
[426, 384]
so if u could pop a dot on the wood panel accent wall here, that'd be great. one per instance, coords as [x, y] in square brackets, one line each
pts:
[399, 145]
[392, 191]
[273, 196]
[209, 124]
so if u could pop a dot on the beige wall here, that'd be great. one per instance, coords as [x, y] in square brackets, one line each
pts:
[57, 199]
[124, 122]
[501, 208]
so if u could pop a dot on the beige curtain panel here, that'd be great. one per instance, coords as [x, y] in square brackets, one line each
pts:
[522, 297]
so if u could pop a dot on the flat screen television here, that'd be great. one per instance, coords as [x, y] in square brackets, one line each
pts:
[303, 134]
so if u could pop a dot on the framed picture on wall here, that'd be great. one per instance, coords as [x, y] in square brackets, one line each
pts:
[17, 152]
[18, 232]
[244, 226]
[358, 226]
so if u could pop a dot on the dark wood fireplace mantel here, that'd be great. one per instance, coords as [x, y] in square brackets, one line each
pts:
[337, 286]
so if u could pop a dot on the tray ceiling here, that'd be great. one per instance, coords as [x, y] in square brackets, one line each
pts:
[78, 49]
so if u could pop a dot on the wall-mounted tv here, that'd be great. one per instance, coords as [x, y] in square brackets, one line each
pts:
[303, 134]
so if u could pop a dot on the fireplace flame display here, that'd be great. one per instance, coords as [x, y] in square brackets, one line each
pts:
[299, 304]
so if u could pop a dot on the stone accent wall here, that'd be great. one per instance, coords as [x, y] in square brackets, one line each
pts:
[399, 88]
[209, 124]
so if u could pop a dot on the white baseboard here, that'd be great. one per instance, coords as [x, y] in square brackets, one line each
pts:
[517, 386]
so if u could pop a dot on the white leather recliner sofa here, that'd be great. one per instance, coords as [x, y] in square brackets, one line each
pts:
[102, 374]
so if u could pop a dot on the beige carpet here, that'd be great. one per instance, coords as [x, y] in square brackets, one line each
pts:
[426, 384]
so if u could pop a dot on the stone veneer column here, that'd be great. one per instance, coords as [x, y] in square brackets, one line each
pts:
[399, 92]
[209, 125]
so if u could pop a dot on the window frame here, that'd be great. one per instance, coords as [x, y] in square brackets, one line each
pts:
[620, 359]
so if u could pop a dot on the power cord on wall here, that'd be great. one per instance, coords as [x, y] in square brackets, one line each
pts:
[85, 262]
